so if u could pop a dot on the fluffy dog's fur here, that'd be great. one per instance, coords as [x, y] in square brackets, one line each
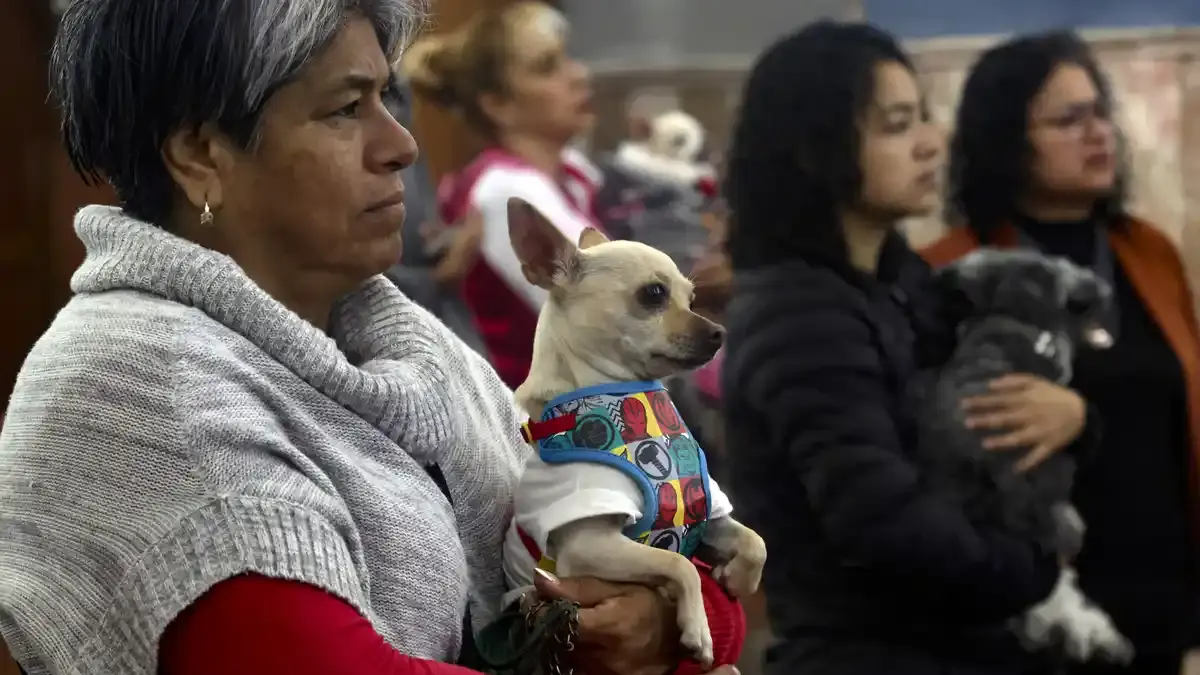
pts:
[1028, 315]
[671, 153]
[619, 312]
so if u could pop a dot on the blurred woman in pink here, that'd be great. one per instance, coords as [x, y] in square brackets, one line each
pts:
[508, 75]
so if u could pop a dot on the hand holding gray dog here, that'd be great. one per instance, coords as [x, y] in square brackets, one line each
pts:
[1032, 412]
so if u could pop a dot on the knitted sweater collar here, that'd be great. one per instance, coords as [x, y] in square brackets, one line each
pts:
[369, 332]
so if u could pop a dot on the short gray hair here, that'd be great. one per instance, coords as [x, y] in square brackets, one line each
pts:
[129, 73]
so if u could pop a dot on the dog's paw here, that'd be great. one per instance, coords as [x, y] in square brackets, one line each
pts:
[740, 576]
[1089, 633]
[1042, 626]
[697, 643]
[1118, 652]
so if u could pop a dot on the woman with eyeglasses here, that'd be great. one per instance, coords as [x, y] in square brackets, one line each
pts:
[1036, 161]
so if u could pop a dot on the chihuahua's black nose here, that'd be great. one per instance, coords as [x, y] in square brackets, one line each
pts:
[716, 335]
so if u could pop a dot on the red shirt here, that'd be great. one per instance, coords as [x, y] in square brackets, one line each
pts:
[256, 625]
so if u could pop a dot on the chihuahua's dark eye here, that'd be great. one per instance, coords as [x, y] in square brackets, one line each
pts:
[653, 295]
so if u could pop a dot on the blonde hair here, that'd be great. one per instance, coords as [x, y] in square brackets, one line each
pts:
[454, 69]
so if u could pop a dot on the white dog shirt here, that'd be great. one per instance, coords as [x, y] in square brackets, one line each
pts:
[614, 449]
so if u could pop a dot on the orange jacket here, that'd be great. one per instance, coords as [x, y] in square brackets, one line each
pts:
[1156, 271]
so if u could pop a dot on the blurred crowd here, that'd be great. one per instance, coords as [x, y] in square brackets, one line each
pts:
[663, 186]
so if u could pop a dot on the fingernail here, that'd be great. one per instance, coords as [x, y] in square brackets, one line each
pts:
[545, 575]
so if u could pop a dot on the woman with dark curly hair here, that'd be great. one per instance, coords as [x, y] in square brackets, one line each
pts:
[1037, 162]
[831, 317]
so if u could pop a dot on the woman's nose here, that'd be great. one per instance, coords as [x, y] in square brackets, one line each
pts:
[933, 141]
[397, 149]
[581, 74]
[1099, 130]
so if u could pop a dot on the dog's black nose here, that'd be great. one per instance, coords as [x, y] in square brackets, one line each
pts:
[716, 334]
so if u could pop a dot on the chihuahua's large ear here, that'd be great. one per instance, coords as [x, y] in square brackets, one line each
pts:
[546, 255]
[591, 237]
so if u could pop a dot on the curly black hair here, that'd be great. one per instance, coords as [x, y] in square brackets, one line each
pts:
[794, 157]
[990, 152]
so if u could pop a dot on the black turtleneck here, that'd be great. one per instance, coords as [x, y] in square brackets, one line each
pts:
[1137, 560]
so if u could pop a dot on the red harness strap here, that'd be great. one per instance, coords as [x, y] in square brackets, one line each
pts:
[535, 431]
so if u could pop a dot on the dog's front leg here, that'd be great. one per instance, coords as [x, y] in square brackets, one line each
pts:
[1069, 529]
[742, 555]
[596, 547]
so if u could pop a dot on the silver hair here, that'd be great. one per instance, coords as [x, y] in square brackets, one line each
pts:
[129, 73]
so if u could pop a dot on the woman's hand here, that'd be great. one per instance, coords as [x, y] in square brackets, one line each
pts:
[624, 629]
[1031, 412]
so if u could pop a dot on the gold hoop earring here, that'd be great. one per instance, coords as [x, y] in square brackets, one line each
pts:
[206, 216]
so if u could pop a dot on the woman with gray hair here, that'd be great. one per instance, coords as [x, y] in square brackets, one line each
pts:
[238, 448]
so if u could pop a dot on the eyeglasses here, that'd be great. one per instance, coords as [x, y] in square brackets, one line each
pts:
[1078, 117]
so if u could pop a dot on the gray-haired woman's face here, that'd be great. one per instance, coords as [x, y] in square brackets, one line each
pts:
[321, 192]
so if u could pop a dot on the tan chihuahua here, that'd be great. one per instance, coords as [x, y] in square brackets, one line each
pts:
[617, 488]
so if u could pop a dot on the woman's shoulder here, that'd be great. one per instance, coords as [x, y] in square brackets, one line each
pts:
[773, 309]
[1148, 239]
[799, 276]
[796, 291]
[117, 336]
[117, 363]
[113, 510]
[502, 181]
[954, 244]
[124, 336]
[579, 163]
[499, 181]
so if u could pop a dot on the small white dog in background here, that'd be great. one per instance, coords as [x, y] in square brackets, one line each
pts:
[670, 153]
[617, 488]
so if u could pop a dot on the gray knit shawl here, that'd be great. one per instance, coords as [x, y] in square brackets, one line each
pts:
[177, 426]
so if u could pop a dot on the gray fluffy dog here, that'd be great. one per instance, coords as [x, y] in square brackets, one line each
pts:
[1028, 314]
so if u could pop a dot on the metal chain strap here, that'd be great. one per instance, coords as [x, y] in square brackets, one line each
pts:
[561, 636]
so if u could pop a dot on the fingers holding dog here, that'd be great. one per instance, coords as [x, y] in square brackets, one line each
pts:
[1015, 382]
[1028, 412]
[624, 629]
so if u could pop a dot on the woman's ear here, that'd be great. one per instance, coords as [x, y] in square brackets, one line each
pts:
[496, 108]
[196, 158]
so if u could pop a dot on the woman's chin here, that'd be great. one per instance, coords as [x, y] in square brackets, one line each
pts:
[924, 207]
[585, 123]
[383, 255]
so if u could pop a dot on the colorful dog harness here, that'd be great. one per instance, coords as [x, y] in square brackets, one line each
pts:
[633, 427]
